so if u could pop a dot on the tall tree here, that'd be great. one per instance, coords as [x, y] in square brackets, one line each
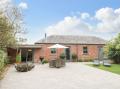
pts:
[6, 32]
[11, 25]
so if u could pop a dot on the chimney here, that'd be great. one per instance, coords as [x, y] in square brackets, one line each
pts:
[45, 37]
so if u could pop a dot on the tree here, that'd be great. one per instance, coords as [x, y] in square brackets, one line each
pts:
[112, 49]
[6, 32]
[11, 25]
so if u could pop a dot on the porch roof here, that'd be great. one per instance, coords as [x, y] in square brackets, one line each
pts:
[29, 46]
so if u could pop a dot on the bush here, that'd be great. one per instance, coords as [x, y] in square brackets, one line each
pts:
[74, 57]
[3, 57]
[62, 56]
[6, 61]
[85, 60]
[80, 60]
[44, 61]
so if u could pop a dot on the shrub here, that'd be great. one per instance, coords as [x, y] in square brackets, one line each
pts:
[90, 60]
[3, 57]
[62, 56]
[85, 60]
[44, 61]
[74, 57]
[6, 61]
[80, 60]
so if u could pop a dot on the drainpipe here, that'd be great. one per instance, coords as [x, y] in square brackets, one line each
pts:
[77, 52]
[45, 38]
[45, 45]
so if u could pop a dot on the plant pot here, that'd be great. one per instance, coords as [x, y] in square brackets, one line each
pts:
[24, 67]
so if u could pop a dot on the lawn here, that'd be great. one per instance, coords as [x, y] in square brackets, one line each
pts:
[115, 68]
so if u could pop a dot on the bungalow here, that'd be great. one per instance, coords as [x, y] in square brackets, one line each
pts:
[85, 47]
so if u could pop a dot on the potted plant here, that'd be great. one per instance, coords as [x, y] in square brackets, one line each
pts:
[62, 59]
[74, 57]
[62, 56]
[23, 67]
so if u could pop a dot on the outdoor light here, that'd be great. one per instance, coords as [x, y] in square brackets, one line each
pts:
[29, 50]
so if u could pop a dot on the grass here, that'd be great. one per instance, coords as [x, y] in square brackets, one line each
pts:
[115, 68]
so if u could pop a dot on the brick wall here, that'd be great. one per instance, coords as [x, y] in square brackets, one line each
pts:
[77, 49]
[37, 54]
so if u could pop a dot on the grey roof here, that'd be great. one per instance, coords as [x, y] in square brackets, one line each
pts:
[70, 39]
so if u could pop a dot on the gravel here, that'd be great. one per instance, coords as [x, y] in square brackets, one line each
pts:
[72, 76]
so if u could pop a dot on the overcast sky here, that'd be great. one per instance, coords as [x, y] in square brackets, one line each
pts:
[99, 18]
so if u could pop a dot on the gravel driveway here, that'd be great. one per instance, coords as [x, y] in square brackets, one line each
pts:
[73, 76]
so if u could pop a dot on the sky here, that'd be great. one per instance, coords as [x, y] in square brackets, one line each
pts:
[99, 18]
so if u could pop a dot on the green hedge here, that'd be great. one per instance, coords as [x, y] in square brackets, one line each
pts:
[3, 57]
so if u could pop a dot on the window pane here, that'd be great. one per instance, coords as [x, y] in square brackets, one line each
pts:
[85, 50]
[53, 50]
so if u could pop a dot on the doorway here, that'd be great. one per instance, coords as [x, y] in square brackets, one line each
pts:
[67, 52]
[26, 54]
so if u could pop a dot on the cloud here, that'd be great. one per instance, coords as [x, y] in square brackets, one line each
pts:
[70, 25]
[85, 15]
[4, 3]
[109, 20]
[106, 21]
[23, 5]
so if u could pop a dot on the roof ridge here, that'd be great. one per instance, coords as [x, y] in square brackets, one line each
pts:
[75, 39]
[74, 35]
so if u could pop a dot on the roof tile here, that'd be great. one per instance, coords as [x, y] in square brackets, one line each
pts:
[70, 39]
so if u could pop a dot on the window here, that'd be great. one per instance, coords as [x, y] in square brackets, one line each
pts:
[53, 50]
[85, 50]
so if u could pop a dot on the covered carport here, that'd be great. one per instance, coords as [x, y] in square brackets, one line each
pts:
[27, 52]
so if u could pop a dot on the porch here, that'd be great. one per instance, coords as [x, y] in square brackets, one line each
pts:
[27, 52]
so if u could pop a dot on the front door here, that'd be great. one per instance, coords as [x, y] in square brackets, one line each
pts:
[67, 51]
